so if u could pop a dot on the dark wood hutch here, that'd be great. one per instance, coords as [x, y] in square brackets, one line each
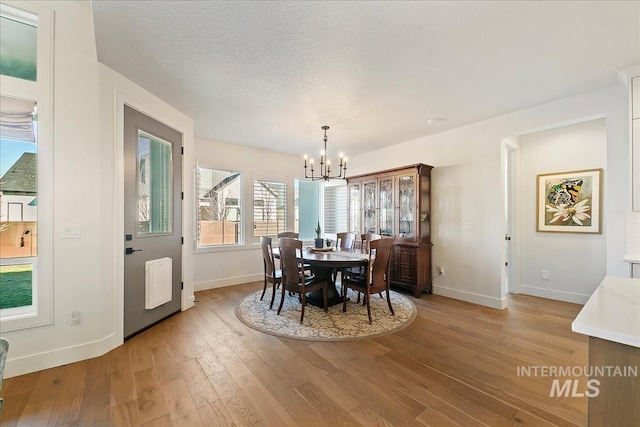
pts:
[397, 203]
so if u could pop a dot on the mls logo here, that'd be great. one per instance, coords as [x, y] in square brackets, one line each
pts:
[570, 388]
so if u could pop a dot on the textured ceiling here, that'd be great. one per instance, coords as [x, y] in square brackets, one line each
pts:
[270, 74]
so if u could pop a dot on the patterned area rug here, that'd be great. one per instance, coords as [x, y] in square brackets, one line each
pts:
[320, 326]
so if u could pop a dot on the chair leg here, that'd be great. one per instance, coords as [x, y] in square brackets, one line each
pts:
[281, 300]
[389, 302]
[273, 294]
[304, 303]
[264, 288]
[367, 297]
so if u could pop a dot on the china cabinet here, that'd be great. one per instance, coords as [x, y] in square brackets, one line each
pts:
[397, 203]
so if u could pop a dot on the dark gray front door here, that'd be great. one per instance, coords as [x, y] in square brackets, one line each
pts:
[152, 220]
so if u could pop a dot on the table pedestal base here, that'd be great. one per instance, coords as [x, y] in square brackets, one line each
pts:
[333, 296]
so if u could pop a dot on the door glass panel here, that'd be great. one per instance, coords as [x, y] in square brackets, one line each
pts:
[155, 190]
[370, 207]
[386, 206]
[18, 43]
[407, 204]
[355, 209]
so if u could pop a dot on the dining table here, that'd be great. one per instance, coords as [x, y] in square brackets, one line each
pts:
[324, 264]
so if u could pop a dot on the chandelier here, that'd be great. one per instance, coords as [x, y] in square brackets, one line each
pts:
[325, 164]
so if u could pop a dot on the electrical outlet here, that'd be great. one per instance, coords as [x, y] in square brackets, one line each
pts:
[545, 274]
[75, 317]
[440, 270]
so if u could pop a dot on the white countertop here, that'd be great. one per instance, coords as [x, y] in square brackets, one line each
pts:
[613, 312]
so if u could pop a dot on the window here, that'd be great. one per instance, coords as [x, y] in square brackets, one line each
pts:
[335, 209]
[18, 43]
[18, 204]
[307, 205]
[26, 37]
[219, 207]
[269, 208]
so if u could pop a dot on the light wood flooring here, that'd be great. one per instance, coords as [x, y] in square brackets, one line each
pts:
[456, 364]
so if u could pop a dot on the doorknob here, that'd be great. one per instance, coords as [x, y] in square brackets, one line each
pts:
[129, 251]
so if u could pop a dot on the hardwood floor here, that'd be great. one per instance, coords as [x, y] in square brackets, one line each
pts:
[456, 364]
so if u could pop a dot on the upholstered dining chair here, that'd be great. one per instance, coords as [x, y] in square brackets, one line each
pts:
[293, 278]
[271, 274]
[376, 279]
[291, 234]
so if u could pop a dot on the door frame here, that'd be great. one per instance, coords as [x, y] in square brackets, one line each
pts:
[168, 116]
[510, 148]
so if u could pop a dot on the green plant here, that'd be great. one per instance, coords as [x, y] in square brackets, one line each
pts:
[318, 230]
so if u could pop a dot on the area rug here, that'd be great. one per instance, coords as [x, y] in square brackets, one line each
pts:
[320, 326]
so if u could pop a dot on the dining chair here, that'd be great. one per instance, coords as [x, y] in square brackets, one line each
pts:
[271, 274]
[366, 238]
[376, 279]
[345, 240]
[293, 278]
[291, 234]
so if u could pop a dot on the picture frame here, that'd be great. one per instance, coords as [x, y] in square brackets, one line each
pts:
[569, 202]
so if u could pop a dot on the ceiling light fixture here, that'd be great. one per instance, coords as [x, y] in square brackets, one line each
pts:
[325, 164]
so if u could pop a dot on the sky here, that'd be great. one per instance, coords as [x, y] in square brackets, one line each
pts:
[11, 150]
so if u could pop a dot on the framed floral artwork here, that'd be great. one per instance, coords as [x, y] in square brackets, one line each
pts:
[570, 202]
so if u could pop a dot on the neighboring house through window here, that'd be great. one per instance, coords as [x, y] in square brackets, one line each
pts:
[269, 208]
[219, 219]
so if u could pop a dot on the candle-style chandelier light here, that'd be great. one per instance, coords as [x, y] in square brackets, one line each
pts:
[325, 164]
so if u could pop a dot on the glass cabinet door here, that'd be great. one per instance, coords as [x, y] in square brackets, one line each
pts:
[369, 207]
[425, 215]
[385, 213]
[355, 208]
[407, 206]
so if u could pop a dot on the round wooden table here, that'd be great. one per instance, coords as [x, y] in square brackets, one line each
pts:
[323, 265]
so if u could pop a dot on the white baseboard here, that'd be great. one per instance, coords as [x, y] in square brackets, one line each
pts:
[554, 294]
[499, 303]
[229, 281]
[62, 356]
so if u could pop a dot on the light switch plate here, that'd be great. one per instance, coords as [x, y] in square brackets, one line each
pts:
[71, 231]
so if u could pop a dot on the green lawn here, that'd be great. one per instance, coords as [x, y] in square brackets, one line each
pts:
[15, 286]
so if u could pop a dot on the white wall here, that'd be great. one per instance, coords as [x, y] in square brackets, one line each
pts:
[226, 266]
[467, 188]
[87, 186]
[576, 262]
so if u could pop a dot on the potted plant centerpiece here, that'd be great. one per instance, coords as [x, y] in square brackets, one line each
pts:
[319, 242]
